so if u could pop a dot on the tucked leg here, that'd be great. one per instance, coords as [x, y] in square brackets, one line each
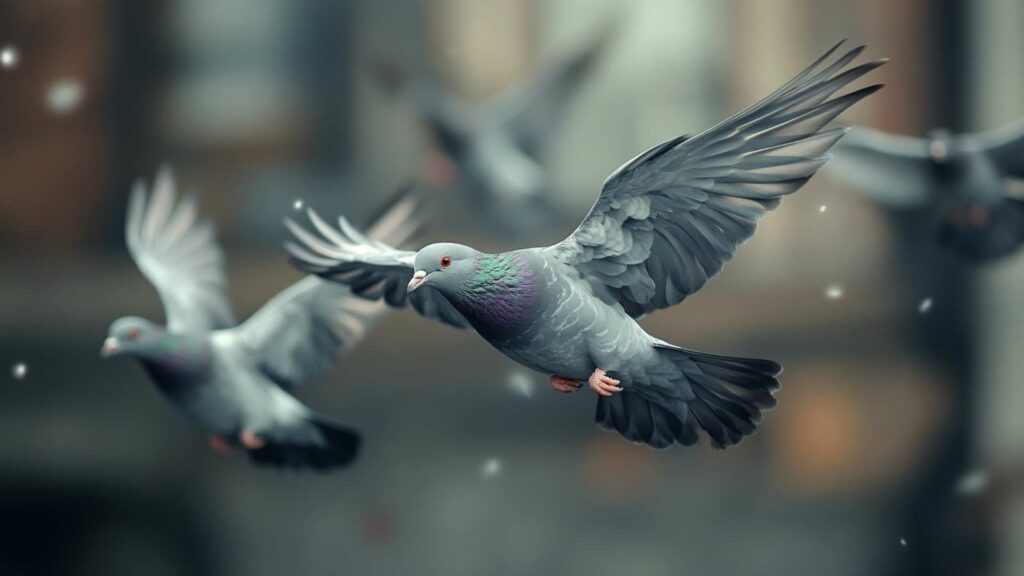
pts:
[564, 385]
[603, 384]
[250, 440]
[220, 444]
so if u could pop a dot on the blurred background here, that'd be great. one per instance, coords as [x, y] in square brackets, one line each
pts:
[897, 446]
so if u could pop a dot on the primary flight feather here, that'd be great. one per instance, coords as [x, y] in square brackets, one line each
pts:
[664, 223]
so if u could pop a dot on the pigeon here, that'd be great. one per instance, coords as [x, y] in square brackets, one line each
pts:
[963, 182]
[664, 223]
[496, 151]
[236, 381]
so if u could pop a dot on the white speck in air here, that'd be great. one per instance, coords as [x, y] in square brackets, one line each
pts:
[924, 306]
[834, 292]
[823, 208]
[520, 383]
[9, 57]
[297, 205]
[19, 371]
[64, 95]
[491, 468]
[973, 483]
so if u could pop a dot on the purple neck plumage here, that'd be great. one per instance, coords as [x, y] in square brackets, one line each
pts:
[500, 297]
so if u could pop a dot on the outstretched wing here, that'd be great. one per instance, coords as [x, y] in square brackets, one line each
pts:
[300, 332]
[891, 169]
[666, 221]
[1005, 145]
[371, 268]
[532, 111]
[179, 255]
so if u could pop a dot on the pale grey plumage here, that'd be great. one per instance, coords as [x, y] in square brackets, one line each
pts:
[960, 181]
[664, 223]
[233, 379]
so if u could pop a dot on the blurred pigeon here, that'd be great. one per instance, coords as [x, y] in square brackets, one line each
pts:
[664, 223]
[961, 180]
[235, 380]
[497, 150]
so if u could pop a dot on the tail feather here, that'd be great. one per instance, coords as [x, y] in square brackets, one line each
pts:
[334, 447]
[722, 395]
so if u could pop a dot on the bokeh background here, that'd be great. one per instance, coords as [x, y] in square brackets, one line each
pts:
[898, 443]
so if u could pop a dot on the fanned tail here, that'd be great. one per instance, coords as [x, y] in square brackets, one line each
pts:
[721, 395]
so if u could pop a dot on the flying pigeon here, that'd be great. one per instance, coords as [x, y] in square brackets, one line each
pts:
[235, 380]
[962, 181]
[496, 151]
[664, 223]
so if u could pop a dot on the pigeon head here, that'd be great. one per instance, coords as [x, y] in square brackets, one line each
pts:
[131, 335]
[444, 266]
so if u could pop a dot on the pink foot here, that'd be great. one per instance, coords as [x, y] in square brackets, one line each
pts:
[220, 444]
[564, 385]
[603, 384]
[250, 440]
[978, 216]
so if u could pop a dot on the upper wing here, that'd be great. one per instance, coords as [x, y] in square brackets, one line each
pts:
[532, 111]
[891, 169]
[666, 221]
[446, 116]
[179, 255]
[1005, 145]
[372, 268]
[300, 332]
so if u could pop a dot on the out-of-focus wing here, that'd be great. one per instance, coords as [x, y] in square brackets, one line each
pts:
[532, 112]
[891, 169]
[179, 255]
[667, 221]
[301, 332]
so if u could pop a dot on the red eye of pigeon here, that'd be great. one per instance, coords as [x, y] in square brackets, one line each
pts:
[133, 334]
[446, 261]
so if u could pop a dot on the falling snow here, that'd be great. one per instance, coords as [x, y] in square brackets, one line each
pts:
[903, 542]
[520, 382]
[925, 306]
[19, 370]
[834, 292]
[64, 96]
[9, 57]
[973, 483]
[491, 468]
[823, 208]
[297, 205]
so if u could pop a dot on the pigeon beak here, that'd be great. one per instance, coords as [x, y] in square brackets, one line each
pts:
[417, 280]
[111, 346]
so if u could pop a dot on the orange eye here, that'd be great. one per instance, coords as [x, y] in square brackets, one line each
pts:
[133, 334]
[446, 261]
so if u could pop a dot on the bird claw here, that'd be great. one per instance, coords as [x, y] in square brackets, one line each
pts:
[250, 440]
[564, 385]
[603, 384]
[220, 444]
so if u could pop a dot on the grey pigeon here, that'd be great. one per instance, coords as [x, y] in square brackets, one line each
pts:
[235, 380]
[496, 151]
[961, 181]
[664, 223]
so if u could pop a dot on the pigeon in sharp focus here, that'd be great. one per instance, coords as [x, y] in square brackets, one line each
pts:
[496, 151]
[962, 180]
[664, 223]
[235, 380]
